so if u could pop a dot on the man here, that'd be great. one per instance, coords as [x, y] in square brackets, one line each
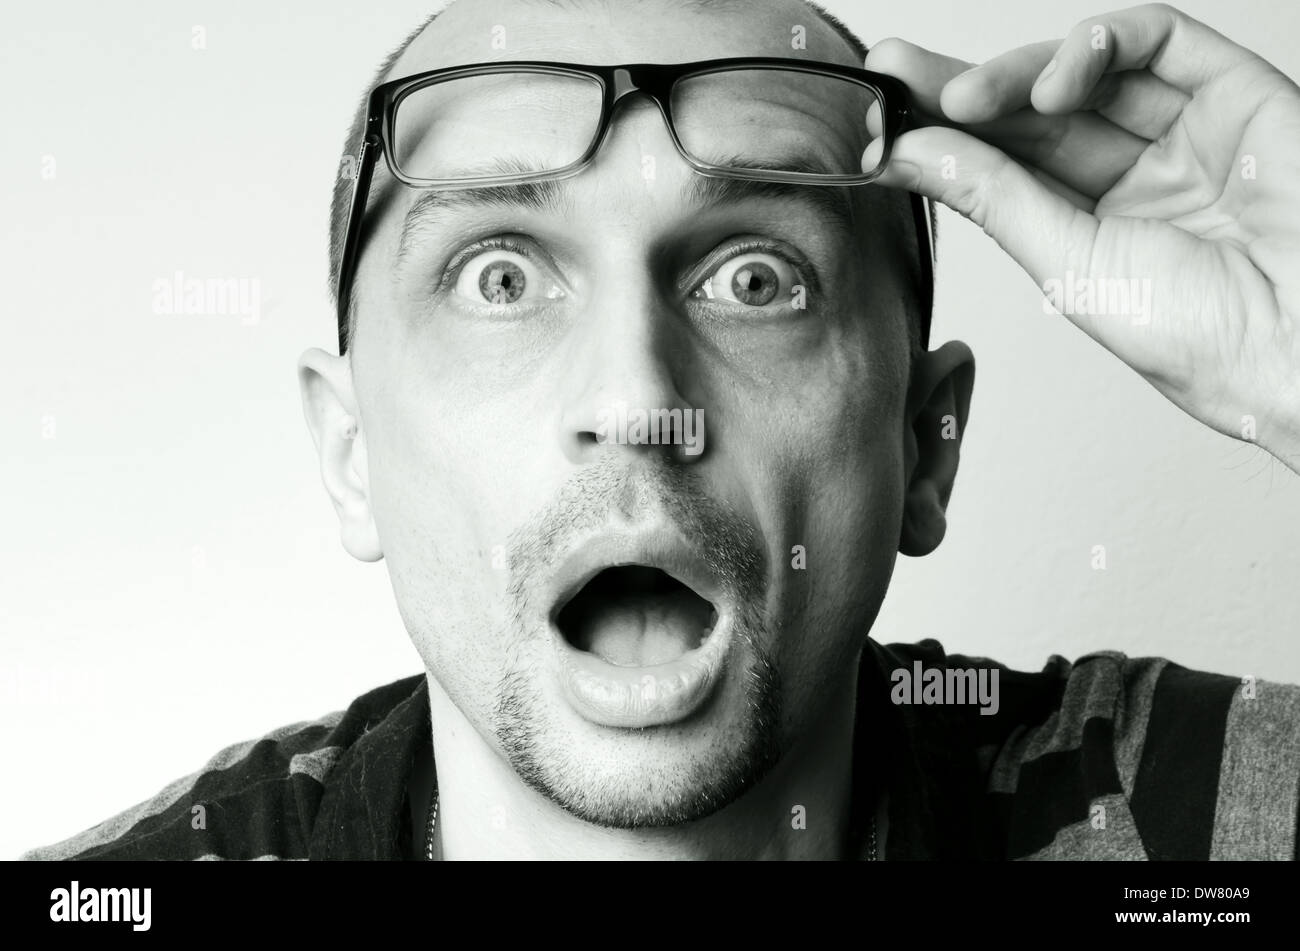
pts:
[651, 640]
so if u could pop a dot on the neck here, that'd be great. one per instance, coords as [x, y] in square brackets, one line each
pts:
[800, 810]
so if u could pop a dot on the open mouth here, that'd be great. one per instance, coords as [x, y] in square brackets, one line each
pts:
[636, 616]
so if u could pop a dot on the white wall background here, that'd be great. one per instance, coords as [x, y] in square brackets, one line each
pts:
[170, 574]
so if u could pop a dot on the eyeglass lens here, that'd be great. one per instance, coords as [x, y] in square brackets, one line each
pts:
[507, 123]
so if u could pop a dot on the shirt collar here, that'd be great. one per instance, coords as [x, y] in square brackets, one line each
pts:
[364, 812]
[925, 756]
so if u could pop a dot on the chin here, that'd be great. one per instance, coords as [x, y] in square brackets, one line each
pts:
[650, 776]
[641, 690]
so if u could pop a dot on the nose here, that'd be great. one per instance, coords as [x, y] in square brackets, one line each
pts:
[624, 364]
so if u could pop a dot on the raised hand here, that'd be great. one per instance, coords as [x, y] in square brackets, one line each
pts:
[1145, 164]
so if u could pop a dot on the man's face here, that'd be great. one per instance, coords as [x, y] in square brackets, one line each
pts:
[492, 358]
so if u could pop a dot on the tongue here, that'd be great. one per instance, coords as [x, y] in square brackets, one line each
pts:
[643, 629]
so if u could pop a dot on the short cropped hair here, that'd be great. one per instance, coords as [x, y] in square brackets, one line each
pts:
[342, 197]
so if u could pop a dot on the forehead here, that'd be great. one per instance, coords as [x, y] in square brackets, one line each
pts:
[795, 120]
[601, 31]
[619, 31]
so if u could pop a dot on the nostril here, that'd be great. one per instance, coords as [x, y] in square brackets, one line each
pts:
[675, 431]
[580, 446]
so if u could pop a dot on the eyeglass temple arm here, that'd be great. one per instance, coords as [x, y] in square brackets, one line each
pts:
[921, 211]
[366, 158]
[925, 242]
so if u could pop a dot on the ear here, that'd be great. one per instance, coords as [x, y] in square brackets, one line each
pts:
[330, 406]
[938, 404]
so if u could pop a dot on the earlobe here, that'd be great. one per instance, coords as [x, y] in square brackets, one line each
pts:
[329, 405]
[938, 408]
[924, 520]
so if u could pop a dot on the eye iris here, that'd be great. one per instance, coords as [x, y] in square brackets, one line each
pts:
[755, 284]
[501, 282]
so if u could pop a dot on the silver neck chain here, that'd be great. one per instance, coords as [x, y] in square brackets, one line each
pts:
[433, 824]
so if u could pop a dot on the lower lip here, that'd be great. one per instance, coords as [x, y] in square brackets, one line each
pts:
[633, 697]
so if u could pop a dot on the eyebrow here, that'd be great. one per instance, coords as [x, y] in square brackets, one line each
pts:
[828, 202]
[704, 192]
[544, 196]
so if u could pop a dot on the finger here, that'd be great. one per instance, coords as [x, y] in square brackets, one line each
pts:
[1084, 151]
[1135, 100]
[875, 124]
[924, 72]
[1183, 52]
[1138, 102]
[1085, 203]
[1041, 229]
[998, 87]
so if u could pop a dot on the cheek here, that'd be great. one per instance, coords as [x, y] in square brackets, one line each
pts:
[858, 472]
[446, 477]
[850, 530]
[843, 500]
[834, 487]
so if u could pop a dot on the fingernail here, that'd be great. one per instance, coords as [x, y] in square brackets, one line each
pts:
[1047, 71]
[905, 174]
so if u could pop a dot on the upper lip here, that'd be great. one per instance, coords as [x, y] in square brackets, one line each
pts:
[659, 547]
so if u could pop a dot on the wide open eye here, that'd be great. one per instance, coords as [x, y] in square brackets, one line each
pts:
[500, 277]
[751, 279]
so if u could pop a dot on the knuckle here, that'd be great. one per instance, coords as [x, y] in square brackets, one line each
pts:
[1049, 147]
[1162, 9]
[1105, 94]
[1083, 28]
[984, 194]
[1158, 16]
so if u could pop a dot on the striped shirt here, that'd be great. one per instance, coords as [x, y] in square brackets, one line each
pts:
[1107, 758]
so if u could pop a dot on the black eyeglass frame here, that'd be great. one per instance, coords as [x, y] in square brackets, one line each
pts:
[655, 80]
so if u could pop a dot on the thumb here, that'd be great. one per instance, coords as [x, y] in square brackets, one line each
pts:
[1042, 229]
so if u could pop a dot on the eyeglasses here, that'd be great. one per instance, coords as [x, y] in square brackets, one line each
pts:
[514, 123]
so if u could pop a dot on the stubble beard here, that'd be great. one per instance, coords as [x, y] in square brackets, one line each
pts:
[664, 787]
